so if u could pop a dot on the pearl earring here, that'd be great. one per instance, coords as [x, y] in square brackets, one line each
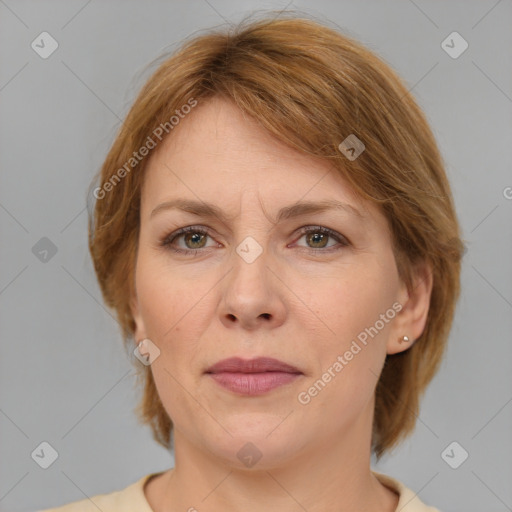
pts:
[403, 339]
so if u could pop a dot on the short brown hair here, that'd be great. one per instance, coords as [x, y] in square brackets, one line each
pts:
[310, 87]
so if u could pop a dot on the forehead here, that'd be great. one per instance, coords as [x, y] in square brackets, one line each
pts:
[217, 153]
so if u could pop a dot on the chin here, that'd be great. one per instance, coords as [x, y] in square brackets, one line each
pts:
[257, 442]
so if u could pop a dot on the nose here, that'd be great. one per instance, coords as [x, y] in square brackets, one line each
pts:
[253, 296]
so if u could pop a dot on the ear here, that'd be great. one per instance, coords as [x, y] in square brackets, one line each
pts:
[412, 318]
[140, 329]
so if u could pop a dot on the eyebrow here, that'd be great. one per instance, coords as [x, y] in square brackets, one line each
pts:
[204, 209]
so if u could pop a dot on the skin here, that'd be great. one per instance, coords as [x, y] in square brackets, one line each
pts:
[302, 300]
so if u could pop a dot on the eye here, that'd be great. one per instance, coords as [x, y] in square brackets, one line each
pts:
[317, 237]
[193, 237]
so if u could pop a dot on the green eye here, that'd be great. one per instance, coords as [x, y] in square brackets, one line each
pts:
[195, 238]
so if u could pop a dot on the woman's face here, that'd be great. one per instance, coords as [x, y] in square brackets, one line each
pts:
[257, 285]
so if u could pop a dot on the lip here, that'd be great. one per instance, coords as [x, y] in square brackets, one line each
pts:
[256, 365]
[252, 376]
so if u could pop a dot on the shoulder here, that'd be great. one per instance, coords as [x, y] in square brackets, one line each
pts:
[408, 499]
[132, 498]
[129, 499]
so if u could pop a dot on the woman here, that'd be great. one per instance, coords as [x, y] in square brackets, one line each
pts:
[274, 228]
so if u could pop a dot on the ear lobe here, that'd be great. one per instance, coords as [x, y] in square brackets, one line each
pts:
[399, 344]
[140, 330]
[412, 318]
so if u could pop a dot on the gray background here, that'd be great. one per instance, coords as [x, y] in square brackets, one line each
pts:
[64, 377]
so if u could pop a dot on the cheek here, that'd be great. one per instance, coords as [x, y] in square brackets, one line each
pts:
[357, 308]
[175, 315]
[349, 361]
[356, 299]
[170, 308]
[170, 301]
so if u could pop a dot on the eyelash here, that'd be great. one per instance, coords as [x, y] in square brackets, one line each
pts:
[169, 239]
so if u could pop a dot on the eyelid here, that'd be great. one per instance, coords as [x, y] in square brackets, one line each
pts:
[342, 240]
[169, 238]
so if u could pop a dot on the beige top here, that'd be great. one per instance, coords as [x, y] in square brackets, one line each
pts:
[133, 499]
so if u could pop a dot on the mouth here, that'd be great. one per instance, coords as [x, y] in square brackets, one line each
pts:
[252, 376]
